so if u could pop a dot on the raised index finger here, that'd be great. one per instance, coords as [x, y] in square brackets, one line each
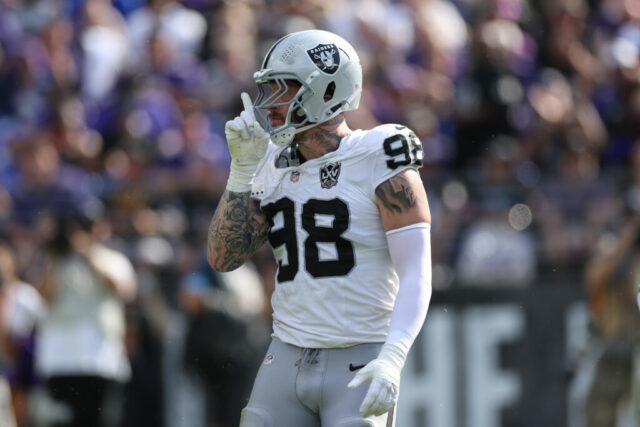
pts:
[248, 105]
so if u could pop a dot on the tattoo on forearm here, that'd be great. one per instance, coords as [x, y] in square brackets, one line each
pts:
[396, 194]
[237, 230]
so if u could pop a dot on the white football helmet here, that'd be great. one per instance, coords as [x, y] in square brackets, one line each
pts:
[328, 71]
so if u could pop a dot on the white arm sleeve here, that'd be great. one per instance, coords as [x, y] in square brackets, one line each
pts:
[410, 250]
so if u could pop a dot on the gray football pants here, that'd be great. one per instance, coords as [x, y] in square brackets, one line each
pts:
[302, 387]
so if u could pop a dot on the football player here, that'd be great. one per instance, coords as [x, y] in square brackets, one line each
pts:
[347, 216]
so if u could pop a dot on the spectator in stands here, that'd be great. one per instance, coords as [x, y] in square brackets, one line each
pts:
[21, 308]
[227, 333]
[80, 351]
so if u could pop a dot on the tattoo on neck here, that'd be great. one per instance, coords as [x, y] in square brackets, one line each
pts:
[323, 138]
[328, 140]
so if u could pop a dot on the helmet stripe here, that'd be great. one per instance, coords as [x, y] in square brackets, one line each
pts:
[268, 56]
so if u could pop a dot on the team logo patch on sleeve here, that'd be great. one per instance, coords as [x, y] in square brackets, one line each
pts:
[329, 174]
[326, 57]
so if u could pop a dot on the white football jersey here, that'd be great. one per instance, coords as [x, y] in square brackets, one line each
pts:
[335, 285]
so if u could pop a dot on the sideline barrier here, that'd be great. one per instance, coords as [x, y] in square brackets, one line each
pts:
[494, 358]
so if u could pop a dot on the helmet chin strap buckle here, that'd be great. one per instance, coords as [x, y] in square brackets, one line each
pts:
[283, 137]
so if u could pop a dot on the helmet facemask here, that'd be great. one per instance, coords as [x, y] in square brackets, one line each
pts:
[272, 87]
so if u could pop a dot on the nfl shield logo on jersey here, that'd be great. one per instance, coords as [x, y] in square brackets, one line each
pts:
[295, 176]
[326, 57]
[329, 174]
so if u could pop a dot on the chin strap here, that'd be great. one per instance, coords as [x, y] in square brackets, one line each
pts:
[283, 137]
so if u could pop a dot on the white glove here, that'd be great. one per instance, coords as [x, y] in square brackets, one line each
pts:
[384, 374]
[247, 143]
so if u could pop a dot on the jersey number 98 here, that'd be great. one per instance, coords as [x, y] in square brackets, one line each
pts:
[286, 235]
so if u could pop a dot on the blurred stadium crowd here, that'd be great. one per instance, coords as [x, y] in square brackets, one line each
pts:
[114, 111]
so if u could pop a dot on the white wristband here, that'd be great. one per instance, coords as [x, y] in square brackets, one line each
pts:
[240, 176]
[394, 354]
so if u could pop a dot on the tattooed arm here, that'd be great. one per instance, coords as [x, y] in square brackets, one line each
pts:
[238, 229]
[402, 200]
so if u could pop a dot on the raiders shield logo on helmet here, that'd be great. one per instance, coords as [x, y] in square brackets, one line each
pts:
[329, 174]
[326, 57]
